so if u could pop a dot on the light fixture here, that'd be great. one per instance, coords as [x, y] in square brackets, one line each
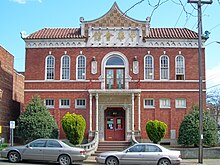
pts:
[135, 65]
[93, 65]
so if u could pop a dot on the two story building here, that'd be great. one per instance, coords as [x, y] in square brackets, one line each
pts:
[117, 72]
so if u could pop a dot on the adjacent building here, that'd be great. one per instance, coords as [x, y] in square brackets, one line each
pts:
[117, 72]
[11, 92]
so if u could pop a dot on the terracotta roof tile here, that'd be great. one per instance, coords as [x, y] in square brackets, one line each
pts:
[155, 33]
[56, 33]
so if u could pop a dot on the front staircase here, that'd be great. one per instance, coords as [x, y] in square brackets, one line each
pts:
[111, 146]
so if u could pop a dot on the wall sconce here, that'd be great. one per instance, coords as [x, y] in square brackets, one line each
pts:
[93, 65]
[135, 65]
[1, 94]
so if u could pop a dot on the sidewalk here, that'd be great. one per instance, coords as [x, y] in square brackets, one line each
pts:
[91, 161]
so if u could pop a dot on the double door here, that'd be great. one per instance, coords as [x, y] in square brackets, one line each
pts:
[114, 125]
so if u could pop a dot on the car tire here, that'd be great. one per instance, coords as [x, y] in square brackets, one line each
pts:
[14, 156]
[164, 162]
[112, 161]
[64, 160]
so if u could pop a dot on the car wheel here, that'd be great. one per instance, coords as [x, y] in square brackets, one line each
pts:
[164, 162]
[14, 156]
[64, 160]
[112, 161]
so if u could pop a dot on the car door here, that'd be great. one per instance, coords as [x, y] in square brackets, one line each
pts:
[152, 154]
[34, 150]
[134, 155]
[52, 150]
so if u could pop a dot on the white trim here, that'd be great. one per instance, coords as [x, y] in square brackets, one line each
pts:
[55, 81]
[113, 91]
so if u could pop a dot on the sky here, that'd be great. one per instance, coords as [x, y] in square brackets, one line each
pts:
[33, 15]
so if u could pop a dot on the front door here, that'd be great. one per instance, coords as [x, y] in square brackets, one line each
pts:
[115, 124]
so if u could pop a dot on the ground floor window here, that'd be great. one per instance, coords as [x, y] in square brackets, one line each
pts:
[148, 103]
[80, 103]
[180, 103]
[164, 103]
[49, 103]
[64, 103]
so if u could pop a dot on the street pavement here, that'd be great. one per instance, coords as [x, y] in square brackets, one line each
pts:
[91, 161]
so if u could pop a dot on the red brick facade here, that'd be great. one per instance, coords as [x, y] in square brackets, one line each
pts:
[12, 85]
[98, 97]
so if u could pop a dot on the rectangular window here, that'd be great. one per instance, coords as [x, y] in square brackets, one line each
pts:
[149, 103]
[49, 103]
[180, 103]
[164, 103]
[64, 103]
[80, 103]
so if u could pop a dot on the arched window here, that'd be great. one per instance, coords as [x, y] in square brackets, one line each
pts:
[149, 67]
[115, 69]
[164, 67]
[81, 67]
[50, 66]
[65, 67]
[180, 67]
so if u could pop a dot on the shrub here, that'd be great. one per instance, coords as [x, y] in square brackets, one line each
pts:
[74, 127]
[189, 129]
[156, 130]
[36, 122]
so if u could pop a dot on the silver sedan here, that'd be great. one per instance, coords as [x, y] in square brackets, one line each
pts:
[141, 153]
[45, 150]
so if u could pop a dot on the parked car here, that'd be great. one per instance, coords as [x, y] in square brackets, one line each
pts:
[51, 150]
[141, 153]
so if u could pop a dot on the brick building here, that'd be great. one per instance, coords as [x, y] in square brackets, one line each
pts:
[117, 72]
[12, 91]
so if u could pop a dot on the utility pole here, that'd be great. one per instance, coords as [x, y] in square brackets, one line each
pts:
[199, 3]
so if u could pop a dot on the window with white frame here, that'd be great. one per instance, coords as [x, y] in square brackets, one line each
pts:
[164, 67]
[49, 103]
[64, 103]
[148, 103]
[164, 103]
[65, 66]
[50, 65]
[80, 103]
[180, 67]
[81, 67]
[149, 67]
[180, 103]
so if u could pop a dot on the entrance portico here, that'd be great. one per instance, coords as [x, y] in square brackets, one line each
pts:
[116, 101]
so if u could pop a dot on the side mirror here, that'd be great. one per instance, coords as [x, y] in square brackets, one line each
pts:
[128, 151]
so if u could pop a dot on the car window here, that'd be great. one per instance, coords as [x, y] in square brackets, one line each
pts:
[53, 143]
[38, 143]
[152, 148]
[137, 148]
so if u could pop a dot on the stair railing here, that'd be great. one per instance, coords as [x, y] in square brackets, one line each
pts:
[91, 147]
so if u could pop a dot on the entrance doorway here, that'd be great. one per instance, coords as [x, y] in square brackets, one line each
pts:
[115, 124]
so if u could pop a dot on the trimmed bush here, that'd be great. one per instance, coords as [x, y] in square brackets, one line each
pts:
[74, 127]
[36, 122]
[189, 129]
[156, 130]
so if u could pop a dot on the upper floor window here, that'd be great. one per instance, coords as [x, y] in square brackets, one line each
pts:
[81, 67]
[164, 67]
[149, 67]
[180, 68]
[50, 67]
[115, 73]
[65, 67]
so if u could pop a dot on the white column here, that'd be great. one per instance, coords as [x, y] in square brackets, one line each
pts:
[132, 112]
[139, 113]
[97, 113]
[90, 112]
